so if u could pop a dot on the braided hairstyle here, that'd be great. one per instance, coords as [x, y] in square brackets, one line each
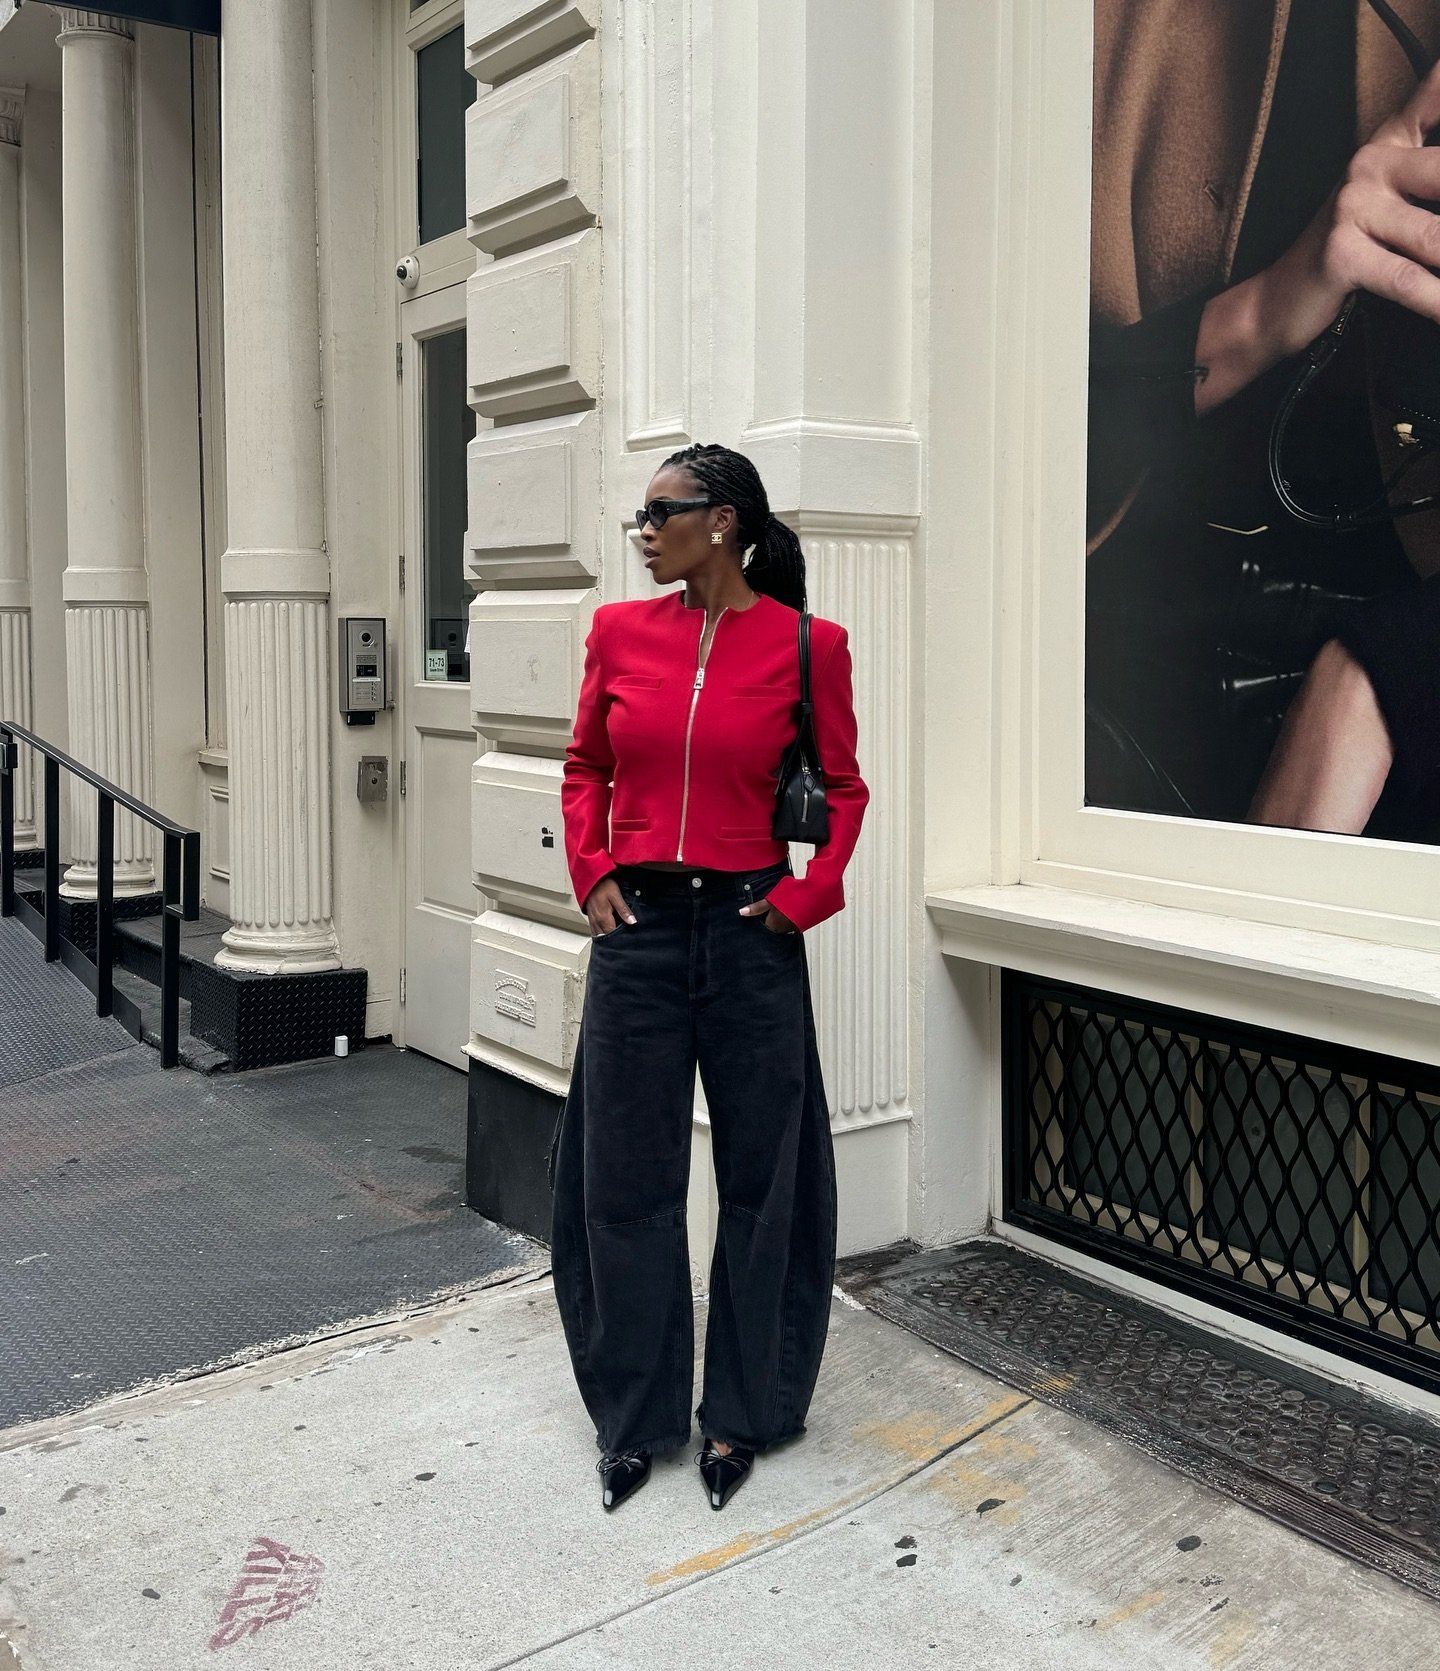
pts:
[777, 564]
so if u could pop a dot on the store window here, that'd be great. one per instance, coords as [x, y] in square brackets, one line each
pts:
[1194, 638]
[1239, 632]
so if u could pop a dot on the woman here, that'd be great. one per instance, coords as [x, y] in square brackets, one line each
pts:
[688, 702]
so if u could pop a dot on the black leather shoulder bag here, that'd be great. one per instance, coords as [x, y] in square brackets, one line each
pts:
[800, 810]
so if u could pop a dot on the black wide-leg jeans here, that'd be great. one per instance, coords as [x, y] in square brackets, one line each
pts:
[694, 984]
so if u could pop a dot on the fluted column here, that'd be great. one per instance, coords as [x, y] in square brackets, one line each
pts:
[14, 533]
[107, 616]
[276, 574]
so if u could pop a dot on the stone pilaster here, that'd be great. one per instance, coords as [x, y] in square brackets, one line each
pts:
[15, 698]
[107, 662]
[107, 631]
[276, 574]
[280, 897]
[15, 704]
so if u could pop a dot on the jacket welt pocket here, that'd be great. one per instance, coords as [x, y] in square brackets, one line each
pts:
[628, 826]
[634, 681]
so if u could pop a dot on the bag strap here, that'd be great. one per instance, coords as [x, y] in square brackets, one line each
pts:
[801, 751]
[805, 733]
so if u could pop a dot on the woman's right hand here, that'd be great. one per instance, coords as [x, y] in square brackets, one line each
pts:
[1373, 233]
[605, 907]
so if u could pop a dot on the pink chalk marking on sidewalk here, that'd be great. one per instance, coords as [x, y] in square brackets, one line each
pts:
[274, 1585]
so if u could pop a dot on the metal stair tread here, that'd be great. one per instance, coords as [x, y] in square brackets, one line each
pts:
[194, 1053]
[199, 941]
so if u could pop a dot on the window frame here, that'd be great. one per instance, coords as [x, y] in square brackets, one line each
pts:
[449, 259]
[1305, 879]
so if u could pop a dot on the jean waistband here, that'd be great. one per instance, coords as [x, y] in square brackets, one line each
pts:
[699, 883]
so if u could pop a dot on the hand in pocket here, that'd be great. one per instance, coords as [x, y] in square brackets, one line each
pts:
[605, 908]
[776, 921]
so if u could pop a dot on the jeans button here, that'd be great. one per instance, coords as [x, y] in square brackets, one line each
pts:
[694, 881]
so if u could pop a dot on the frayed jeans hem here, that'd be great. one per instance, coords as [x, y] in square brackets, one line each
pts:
[759, 1446]
[655, 1447]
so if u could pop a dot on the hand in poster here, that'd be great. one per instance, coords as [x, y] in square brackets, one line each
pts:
[1372, 234]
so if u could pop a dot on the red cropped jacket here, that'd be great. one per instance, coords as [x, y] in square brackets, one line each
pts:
[673, 763]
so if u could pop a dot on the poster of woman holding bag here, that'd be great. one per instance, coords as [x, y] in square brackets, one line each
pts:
[1263, 639]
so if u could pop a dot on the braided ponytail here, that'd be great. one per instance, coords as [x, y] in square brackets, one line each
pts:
[777, 564]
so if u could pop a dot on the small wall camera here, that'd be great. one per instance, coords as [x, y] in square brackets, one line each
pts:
[408, 272]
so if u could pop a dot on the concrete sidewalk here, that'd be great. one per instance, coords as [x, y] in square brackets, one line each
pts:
[421, 1494]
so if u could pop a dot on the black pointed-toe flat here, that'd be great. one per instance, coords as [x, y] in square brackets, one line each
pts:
[723, 1475]
[621, 1476]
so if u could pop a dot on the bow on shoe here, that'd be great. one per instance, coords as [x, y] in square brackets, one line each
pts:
[622, 1473]
[725, 1473]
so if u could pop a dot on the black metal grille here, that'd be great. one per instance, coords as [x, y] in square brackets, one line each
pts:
[1290, 1179]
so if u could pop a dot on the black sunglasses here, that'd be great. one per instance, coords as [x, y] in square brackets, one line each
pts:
[659, 511]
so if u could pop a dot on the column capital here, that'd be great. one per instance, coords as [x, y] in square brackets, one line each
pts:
[12, 112]
[274, 574]
[75, 20]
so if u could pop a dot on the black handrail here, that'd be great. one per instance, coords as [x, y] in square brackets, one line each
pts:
[179, 885]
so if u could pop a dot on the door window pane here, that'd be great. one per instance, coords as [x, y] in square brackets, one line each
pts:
[444, 90]
[447, 424]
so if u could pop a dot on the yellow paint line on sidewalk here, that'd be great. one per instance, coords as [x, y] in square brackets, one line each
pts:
[1225, 1649]
[922, 1434]
[711, 1560]
[1131, 1610]
[980, 1473]
[919, 1437]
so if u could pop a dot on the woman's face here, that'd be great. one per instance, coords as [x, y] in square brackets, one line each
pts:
[683, 545]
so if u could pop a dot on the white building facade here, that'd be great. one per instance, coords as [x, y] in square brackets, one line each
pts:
[388, 310]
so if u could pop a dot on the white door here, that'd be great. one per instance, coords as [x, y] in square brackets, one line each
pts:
[439, 744]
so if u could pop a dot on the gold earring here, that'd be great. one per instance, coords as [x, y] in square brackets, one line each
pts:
[717, 539]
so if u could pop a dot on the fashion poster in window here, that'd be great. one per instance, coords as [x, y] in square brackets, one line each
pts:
[1263, 545]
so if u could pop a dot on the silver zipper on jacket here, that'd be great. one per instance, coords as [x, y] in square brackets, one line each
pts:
[700, 660]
